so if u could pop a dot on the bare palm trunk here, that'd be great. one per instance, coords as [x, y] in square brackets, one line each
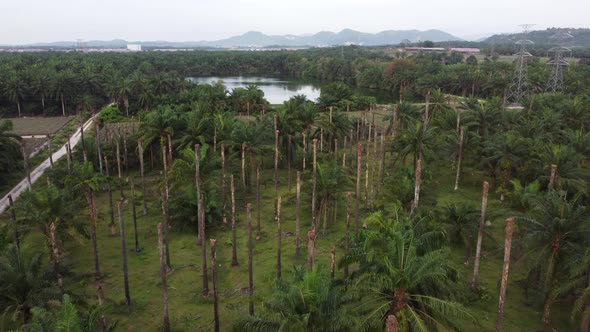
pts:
[56, 256]
[100, 295]
[13, 217]
[289, 157]
[321, 139]
[311, 235]
[482, 220]
[63, 104]
[119, 168]
[332, 262]
[169, 151]
[26, 163]
[165, 211]
[367, 157]
[552, 177]
[223, 193]
[250, 273]
[68, 157]
[505, 268]
[304, 150]
[313, 192]
[49, 150]
[380, 183]
[83, 140]
[335, 149]
[200, 239]
[124, 253]
[141, 170]
[459, 158]
[93, 216]
[258, 205]
[98, 148]
[458, 120]
[244, 165]
[394, 122]
[125, 154]
[373, 165]
[276, 174]
[417, 187]
[279, 237]
[391, 324]
[297, 215]
[215, 290]
[110, 191]
[347, 236]
[359, 151]
[234, 245]
[163, 276]
[136, 236]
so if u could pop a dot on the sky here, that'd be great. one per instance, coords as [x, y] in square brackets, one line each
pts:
[29, 21]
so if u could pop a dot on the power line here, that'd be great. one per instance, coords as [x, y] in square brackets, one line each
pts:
[519, 87]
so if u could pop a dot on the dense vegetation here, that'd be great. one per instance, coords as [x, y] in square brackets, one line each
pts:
[405, 239]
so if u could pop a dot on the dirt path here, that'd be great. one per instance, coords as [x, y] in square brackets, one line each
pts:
[38, 172]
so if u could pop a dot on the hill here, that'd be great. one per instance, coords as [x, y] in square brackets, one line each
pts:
[581, 37]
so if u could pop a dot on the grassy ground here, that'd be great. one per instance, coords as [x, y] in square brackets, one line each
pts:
[190, 312]
[39, 125]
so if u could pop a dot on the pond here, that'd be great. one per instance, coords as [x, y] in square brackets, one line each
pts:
[278, 90]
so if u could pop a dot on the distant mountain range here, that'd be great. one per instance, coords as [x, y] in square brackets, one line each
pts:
[259, 39]
[581, 37]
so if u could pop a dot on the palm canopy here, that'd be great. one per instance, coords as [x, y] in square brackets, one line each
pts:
[10, 153]
[402, 274]
[157, 125]
[308, 302]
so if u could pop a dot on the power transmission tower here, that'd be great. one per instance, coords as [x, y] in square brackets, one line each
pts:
[519, 87]
[559, 61]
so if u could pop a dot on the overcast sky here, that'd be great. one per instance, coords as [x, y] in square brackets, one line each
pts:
[27, 21]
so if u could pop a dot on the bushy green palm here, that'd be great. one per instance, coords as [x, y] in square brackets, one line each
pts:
[308, 302]
[400, 274]
[461, 221]
[10, 154]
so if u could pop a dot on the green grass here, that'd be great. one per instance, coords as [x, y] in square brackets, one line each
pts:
[190, 312]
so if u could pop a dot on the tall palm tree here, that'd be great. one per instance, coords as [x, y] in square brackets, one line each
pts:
[10, 154]
[15, 90]
[554, 227]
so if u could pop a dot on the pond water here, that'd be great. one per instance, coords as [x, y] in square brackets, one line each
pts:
[278, 90]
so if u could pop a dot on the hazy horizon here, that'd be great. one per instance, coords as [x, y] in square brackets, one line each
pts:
[37, 21]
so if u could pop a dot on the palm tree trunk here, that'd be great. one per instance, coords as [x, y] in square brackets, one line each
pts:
[458, 120]
[289, 158]
[98, 149]
[482, 220]
[169, 151]
[124, 253]
[244, 165]
[276, 174]
[134, 215]
[234, 245]
[250, 273]
[215, 139]
[205, 291]
[304, 149]
[49, 150]
[380, 183]
[311, 235]
[68, 157]
[119, 168]
[258, 205]
[83, 140]
[367, 157]
[297, 215]
[505, 268]
[141, 170]
[394, 121]
[359, 151]
[547, 310]
[215, 293]
[552, 177]
[13, 217]
[373, 165]
[313, 199]
[165, 211]
[63, 104]
[279, 237]
[391, 324]
[347, 236]
[332, 262]
[56, 256]
[125, 154]
[223, 193]
[163, 276]
[459, 158]
[110, 191]
[26, 163]
[200, 239]
[336, 149]
[321, 139]
[100, 294]
[93, 217]
[417, 187]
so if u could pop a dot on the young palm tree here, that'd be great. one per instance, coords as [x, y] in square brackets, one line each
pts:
[307, 302]
[461, 225]
[399, 276]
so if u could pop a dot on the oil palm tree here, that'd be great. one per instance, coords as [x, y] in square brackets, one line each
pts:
[15, 90]
[10, 153]
[256, 138]
[308, 302]
[461, 223]
[553, 228]
[402, 278]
